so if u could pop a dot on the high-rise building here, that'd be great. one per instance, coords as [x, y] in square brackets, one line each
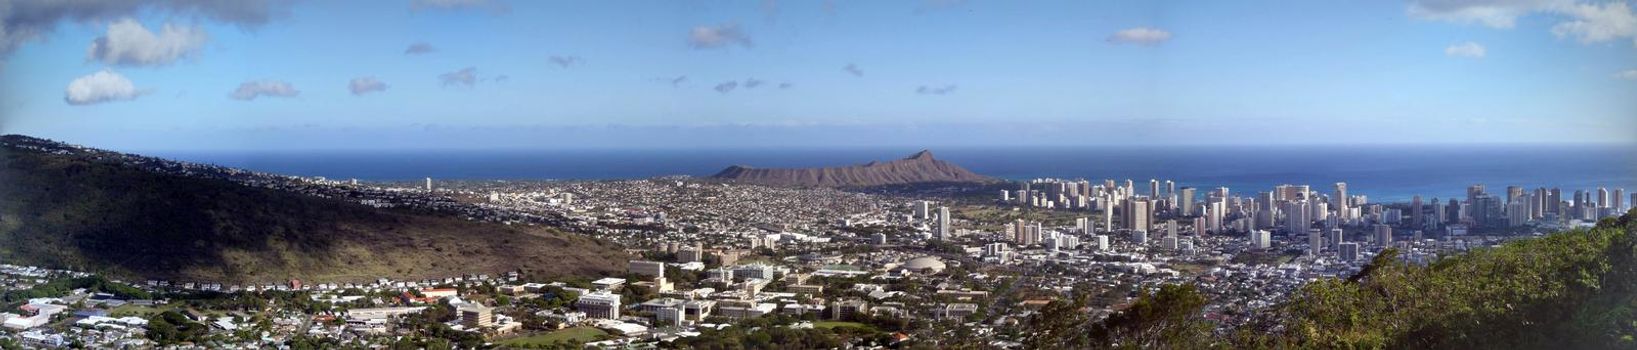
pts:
[1315, 241]
[1554, 203]
[1261, 239]
[1102, 243]
[1020, 232]
[1619, 196]
[943, 223]
[1513, 194]
[1537, 203]
[1185, 201]
[1108, 214]
[1384, 234]
[1486, 210]
[1339, 200]
[1170, 187]
[1415, 212]
[1153, 188]
[1517, 213]
[1297, 217]
[429, 184]
[1214, 213]
[1348, 251]
[1137, 214]
[922, 211]
[1438, 214]
[1602, 197]
[1335, 239]
[1139, 236]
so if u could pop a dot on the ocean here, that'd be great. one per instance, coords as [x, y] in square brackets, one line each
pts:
[1385, 173]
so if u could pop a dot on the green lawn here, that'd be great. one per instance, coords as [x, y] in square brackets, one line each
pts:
[135, 310]
[834, 324]
[573, 335]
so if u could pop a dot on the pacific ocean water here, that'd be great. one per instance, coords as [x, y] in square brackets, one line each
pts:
[1385, 173]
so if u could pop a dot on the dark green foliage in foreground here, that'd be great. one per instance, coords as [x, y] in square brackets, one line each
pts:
[1575, 289]
[61, 287]
[171, 327]
[772, 332]
[1166, 318]
[1571, 290]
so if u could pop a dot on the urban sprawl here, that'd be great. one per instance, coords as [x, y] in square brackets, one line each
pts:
[885, 268]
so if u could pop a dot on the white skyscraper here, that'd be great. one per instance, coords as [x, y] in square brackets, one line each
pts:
[1339, 200]
[1185, 201]
[429, 184]
[1297, 217]
[1261, 239]
[943, 223]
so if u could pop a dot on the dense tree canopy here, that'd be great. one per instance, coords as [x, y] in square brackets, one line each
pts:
[1575, 289]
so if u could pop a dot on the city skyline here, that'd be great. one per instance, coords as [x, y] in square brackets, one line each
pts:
[521, 75]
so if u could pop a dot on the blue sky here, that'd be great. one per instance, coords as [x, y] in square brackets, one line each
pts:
[931, 73]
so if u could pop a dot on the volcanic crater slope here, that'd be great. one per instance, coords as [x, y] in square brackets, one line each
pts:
[918, 168]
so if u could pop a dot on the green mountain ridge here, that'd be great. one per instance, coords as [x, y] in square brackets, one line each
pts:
[86, 212]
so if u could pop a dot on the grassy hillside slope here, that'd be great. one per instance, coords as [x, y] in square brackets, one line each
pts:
[67, 211]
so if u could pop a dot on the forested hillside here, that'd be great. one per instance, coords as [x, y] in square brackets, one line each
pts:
[1569, 290]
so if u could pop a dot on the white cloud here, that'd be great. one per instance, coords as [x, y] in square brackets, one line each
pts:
[710, 37]
[1592, 23]
[935, 90]
[1492, 13]
[488, 5]
[250, 90]
[853, 69]
[752, 83]
[1466, 50]
[129, 43]
[23, 21]
[466, 76]
[1627, 75]
[1586, 21]
[419, 48]
[99, 87]
[1140, 36]
[364, 85]
[726, 86]
[564, 61]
